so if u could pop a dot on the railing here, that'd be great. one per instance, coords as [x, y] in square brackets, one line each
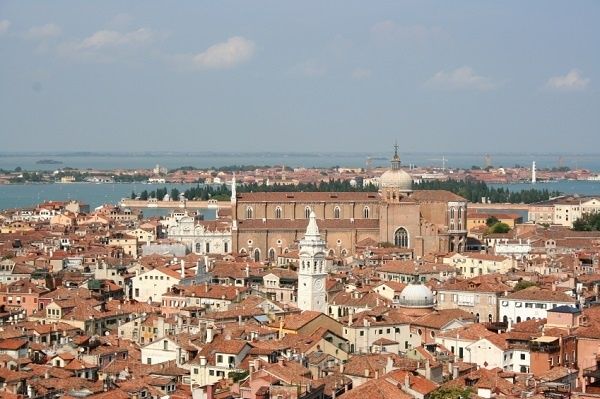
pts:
[545, 348]
[593, 372]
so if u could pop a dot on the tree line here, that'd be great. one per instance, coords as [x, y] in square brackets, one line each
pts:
[473, 191]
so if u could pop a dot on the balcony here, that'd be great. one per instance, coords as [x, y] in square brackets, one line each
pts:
[544, 347]
[545, 344]
[592, 372]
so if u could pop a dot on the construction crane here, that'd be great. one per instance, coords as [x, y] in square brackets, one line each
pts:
[443, 159]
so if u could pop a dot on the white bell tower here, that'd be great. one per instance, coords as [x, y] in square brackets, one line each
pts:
[311, 272]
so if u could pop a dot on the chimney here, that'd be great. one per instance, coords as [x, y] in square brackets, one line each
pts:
[407, 380]
[454, 372]
[389, 364]
[427, 369]
[182, 268]
[210, 392]
[209, 334]
[366, 373]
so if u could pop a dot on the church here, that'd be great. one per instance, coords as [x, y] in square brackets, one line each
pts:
[268, 224]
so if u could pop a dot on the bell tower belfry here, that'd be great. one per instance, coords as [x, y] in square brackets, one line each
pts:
[311, 272]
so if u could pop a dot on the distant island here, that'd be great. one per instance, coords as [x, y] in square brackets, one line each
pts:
[48, 162]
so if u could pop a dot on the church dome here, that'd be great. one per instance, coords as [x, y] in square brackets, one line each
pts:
[396, 178]
[416, 296]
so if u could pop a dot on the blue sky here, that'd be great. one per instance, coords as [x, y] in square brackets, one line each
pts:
[461, 76]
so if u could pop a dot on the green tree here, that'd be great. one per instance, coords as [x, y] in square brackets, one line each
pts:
[587, 222]
[133, 196]
[451, 393]
[144, 195]
[499, 228]
[174, 194]
[492, 220]
[521, 285]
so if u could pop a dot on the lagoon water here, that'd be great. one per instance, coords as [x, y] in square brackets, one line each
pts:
[24, 195]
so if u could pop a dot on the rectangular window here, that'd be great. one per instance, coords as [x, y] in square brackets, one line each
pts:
[219, 358]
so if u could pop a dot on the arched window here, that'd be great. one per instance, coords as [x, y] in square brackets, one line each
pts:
[271, 254]
[307, 212]
[278, 212]
[198, 247]
[451, 213]
[336, 212]
[207, 248]
[249, 212]
[256, 255]
[366, 212]
[226, 247]
[459, 213]
[401, 238]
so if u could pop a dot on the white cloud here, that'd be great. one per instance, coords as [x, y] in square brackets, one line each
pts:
[463, 78]
[43, 32]
[228, 54]
[110, 45]
[572, 81]
[4, 25]
[361, 73]
[112, 38]
[310, 68]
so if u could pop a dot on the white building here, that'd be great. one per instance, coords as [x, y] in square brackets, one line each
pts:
[151, 285]
[532, 303]
[166, 349]
[201, 237]
[312, 273]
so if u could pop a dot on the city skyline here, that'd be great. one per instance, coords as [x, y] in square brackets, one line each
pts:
[340, 77]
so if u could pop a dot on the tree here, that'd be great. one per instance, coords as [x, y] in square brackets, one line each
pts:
[500, 228]
[587, 222]
[521, 285]
[174, 194]
[451, 393]
[492, 220]
[133, 196]
[144, 195]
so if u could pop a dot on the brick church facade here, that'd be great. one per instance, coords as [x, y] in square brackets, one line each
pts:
[266, 225]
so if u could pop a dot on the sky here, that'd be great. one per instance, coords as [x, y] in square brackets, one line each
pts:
[460, 76]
